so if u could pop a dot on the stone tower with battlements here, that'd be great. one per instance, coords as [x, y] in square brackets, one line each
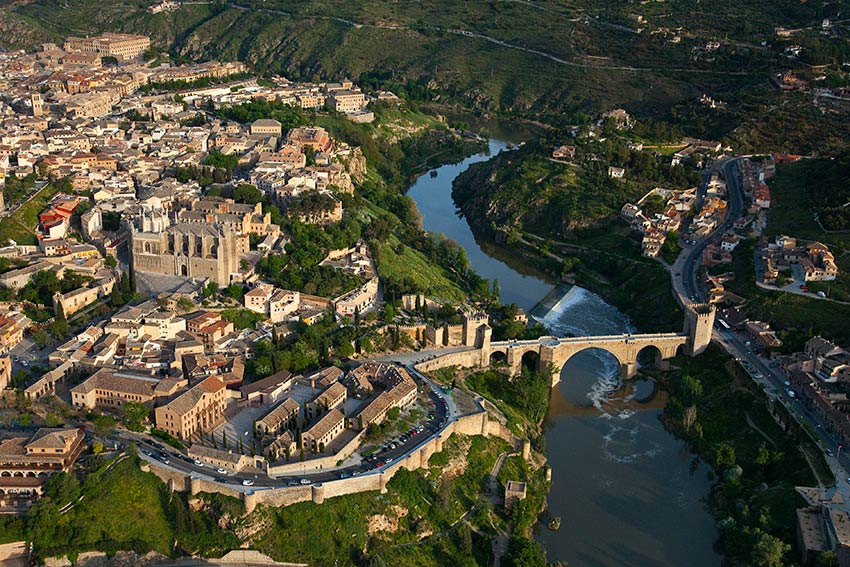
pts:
[471, 324]
[699, 322]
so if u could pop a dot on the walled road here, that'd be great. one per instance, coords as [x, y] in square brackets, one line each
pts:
[157, 454]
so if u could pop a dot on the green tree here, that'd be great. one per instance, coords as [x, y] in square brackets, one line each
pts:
[247, 193]
[210, 290]
[768, 551]
[134, 414]
[724, 456]
[523, 552]
[826, 559]
[376, 561]
[41, 338]
[59, 328]
[110, 261]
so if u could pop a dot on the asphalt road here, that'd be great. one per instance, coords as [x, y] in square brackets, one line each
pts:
[770, 377]
[686, 267]
[444, 413]
[765, 373]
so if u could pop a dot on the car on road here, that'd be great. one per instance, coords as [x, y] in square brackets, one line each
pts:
[829, 452]
[306, 481]
[148, 453]
[344, 475]
[164, 459]
[247, 482]
[220, 471]
[197, 463]
[787, 383]
[292, 483]
[219, 479]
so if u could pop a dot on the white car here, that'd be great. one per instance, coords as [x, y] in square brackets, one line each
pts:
[306, 481]
[787, 383]
[247, 482]
[197, 463]
[221, 471]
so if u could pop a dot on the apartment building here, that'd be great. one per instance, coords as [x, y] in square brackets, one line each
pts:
[200, 408]
[281, 417]
[110, 390]
[331, 397]
[323, 432]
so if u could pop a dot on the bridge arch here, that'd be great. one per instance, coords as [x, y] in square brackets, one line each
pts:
[498, 358]
[530, 359]
[649, 356]
[562, 358]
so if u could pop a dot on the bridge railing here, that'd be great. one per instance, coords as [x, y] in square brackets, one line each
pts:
[594, 338]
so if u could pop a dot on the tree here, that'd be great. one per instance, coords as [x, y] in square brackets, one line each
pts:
[691, 388]
[41, 337]
[134, 415]
[110, 261]
[210, 290]
[184, 305]
[826, 559]
[523, 552]
[247, 193]
[59, 328]
[234, 291]
[376, 561]
[768, 550]
[724, 456]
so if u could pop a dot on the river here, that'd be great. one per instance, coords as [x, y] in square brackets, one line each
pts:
[627, 491]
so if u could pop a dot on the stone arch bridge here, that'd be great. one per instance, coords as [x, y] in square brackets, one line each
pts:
[552, 352]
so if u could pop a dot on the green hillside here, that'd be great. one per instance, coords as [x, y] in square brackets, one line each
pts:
[540, 59]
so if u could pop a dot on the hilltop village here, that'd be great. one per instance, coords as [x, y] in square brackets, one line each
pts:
[139, 283]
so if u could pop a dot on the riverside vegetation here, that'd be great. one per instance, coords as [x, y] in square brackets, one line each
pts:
[727, 421]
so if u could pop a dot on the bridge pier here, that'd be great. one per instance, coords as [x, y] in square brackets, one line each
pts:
[628, 370]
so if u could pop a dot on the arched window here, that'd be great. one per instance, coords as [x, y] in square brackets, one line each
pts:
[185, 244]
[184, 271]
[147, 247]
[199, 248]
[171, 244]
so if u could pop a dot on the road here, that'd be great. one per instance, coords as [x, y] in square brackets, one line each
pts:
[772, 380]
[766, 373]
[445, 413]
[685, 269]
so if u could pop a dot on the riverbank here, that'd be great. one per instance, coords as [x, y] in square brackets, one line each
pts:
[729, 423]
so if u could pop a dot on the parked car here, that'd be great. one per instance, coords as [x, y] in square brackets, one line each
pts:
[247, 482]
[220, 471]
[306, 481]
[197, 463]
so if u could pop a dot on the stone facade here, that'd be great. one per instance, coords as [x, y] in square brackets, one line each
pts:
[188, 250]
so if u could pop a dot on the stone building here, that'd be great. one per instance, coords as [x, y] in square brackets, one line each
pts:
[26, 463]
[188, 250]
[122, 46]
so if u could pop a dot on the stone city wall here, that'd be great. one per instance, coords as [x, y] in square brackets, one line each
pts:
[472, 424]
[320, 463]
